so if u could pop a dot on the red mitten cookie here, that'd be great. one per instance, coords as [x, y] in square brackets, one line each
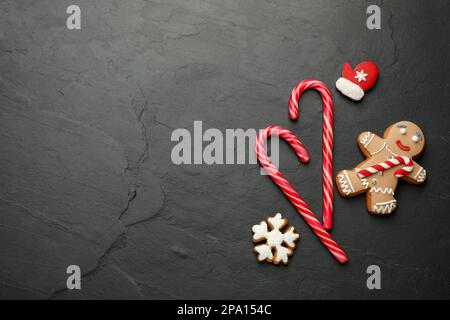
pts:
[354, 83]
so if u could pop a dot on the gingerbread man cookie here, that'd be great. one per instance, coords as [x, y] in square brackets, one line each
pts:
[388, 159]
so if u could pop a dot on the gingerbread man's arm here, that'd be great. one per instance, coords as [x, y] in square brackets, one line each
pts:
[417, 176]
[370, 144]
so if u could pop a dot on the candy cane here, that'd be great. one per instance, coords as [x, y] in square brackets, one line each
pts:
[289, 191]
[380, 167]
[327, 140]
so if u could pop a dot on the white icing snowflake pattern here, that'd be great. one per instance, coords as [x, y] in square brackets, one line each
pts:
[361, 76]
[278, 246]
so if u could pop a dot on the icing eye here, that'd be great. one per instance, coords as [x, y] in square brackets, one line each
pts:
[402, 130]
[415, 138]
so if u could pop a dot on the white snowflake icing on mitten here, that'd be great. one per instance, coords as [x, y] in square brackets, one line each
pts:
[278, 246]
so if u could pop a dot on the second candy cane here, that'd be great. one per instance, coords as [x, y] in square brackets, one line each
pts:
[301, 206]
[327, 140]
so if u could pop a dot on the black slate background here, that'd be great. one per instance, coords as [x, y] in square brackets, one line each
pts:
[86, 118]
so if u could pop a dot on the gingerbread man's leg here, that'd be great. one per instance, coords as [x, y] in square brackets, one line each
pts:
[349, 184]
[380, 199]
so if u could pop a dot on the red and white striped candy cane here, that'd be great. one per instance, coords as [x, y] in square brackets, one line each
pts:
[327, 140]
[403, 171]
[289, 191]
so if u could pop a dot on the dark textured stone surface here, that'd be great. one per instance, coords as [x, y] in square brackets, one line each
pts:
[86, 118]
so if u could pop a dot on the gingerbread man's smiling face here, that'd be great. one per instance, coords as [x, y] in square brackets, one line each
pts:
[405, 139]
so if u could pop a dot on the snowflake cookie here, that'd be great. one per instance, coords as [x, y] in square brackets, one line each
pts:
[273, 251]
